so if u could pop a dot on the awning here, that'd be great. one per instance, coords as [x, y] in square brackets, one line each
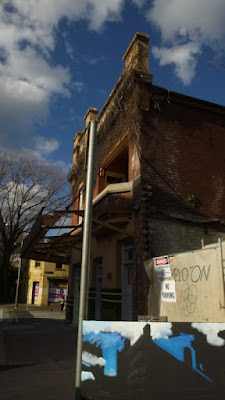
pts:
[112, 211]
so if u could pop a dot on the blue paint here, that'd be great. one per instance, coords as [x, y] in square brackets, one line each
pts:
[176, 345]
[110, 343]
[110, 355]
[86, 364]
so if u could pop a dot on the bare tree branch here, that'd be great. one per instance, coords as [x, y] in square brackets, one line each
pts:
[26, 186]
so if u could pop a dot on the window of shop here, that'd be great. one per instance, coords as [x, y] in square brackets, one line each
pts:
[81, 204]
[37, 264]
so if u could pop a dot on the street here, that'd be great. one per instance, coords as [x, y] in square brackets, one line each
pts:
[37, 359]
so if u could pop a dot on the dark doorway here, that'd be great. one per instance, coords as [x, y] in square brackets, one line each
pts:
[35, 291]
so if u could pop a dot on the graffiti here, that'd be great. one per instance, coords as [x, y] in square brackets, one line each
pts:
[195, 274]
[110, 343]
[176, 347]
[189, 295]
[123, 359]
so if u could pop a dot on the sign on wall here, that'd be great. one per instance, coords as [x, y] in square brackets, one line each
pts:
[36, 291]
[162, 267]
[197, 285]
[55, 294]
[168, 292]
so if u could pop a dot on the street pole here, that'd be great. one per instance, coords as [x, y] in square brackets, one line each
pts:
[18, 284]
[85, 253]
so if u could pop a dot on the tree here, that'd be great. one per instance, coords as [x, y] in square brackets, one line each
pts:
[27, 185]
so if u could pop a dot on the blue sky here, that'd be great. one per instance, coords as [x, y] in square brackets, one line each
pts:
[59, 57]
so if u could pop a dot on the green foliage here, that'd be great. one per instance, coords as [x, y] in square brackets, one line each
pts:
[193, 200]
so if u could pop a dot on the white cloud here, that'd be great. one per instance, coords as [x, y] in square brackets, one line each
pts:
[77, 86]
[202, 19]
[28, 80]
[130, 330]
[46, 146]
[139, 3]
[211, 330]
[183, 56]
[186, 26]
[92, 359]
[85, 375]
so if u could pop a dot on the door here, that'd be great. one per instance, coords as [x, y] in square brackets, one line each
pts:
[76, 293]
[35, 291]
[98, 289]
[127, 278]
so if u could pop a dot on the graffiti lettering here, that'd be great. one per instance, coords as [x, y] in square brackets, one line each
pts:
[195, 274]
[184, 274]
[189, 295]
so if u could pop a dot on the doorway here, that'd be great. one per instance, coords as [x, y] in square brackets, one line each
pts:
[77, 273]
[127, 280]
[35, 291]
[98, 287]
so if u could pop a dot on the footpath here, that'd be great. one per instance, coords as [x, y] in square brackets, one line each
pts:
[37, 354]
[24, 311]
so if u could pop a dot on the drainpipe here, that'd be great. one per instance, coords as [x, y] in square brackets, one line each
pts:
[85, 254]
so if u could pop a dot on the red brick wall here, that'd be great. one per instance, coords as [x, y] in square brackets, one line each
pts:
[186, 148]
[182, 153]
[100, 185]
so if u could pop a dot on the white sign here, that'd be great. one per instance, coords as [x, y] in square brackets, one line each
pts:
[162, 266]
[168, 292]
[55, 294]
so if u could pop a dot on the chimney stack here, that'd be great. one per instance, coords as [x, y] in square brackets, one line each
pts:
[91, 115]
[136, 56]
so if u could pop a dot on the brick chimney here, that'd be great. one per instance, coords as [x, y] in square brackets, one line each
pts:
[80, 138]
[136, 56]
[91, 115]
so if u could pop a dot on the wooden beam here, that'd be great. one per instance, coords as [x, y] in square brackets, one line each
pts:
[62, 226]
[50, 219]
[110, 226]
[54, 247]
[39, 256]
[106, 210]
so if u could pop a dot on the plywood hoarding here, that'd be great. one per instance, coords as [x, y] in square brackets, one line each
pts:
[193, 292]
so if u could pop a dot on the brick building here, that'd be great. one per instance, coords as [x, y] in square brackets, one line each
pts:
[159, 190]
[48, 282]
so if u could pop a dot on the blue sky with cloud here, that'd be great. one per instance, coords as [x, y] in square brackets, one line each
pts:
[57, 58]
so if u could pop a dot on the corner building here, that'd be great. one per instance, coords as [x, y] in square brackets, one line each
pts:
[159, 189]
[47, 282]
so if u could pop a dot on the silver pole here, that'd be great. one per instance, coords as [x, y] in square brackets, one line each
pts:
[18, 284]
[222, 266]
[85, 255]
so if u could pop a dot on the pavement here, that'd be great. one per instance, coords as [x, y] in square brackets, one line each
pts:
[24, 311]
[37, 354]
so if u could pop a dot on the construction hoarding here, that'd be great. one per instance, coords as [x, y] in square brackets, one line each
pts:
[152, 360]
[195, 290]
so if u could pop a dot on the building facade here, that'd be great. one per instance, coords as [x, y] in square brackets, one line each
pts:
[47, 282]
[160, 189]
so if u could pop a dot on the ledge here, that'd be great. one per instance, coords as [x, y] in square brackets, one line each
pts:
[122, 187]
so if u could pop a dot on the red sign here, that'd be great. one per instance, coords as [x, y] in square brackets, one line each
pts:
[161, 261]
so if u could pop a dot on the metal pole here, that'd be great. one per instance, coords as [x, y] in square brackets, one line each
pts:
[85, 255]
[87, 289]
[222, 267]
[18, 283]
